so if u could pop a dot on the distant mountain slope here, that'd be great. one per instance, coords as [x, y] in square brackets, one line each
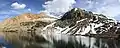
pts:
[25, 17]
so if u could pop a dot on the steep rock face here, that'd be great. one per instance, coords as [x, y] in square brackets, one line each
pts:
[83, 22]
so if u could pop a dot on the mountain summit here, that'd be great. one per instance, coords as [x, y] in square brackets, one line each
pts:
[78, 21]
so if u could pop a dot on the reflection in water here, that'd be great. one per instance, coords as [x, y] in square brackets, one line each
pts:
[64, 41]
[3, 43]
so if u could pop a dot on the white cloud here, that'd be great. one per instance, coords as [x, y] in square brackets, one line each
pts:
[18, 6]
[58, 6]
[29, 9]
[109, 10]
[107, 7]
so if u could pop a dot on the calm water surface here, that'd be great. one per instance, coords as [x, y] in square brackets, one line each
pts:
[61, 41]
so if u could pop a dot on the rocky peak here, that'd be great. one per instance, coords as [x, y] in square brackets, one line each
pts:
[76, 13]
[84, 22]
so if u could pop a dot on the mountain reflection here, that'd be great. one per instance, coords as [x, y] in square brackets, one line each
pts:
[61, 41]
[65, 41]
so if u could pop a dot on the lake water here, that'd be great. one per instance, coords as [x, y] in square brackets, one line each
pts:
[61, 41]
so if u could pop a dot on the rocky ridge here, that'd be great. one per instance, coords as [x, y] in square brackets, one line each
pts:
[26, 23]
[73, 22]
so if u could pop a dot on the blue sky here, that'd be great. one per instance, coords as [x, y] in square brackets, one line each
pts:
[7, 10]
[10, 8]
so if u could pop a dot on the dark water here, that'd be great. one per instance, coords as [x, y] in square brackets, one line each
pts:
[62, 41]
[4, 44]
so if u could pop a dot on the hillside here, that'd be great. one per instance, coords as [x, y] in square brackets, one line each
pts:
[24, 18]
